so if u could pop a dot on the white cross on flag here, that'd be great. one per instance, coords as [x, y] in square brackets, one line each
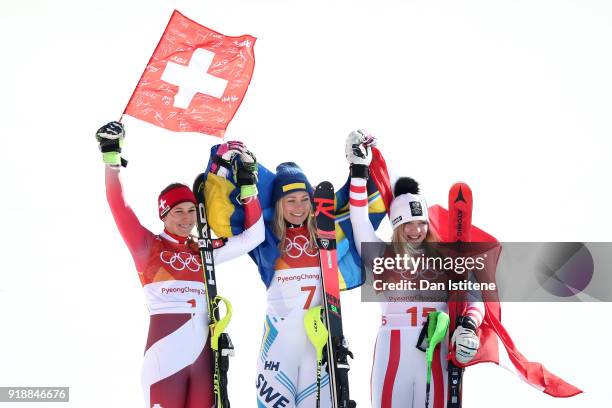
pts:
[195, 79]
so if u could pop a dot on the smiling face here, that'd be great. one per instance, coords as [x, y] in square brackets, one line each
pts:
[181, 219]
[415, 232]
[296, 207]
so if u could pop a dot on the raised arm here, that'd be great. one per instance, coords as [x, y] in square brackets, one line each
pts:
[254, 231]
[358, 154]
[137, 238]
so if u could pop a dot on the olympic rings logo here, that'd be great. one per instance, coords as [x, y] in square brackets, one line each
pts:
[427, 274]
[181, 260]
[298, 247]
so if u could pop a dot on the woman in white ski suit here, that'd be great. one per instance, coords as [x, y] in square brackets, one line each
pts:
[287, 364]
[399, 369]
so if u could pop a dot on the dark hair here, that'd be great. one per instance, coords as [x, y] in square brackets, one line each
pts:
[172, 187]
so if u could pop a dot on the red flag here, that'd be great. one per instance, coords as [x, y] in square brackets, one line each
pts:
[195, 79]
[496, 345]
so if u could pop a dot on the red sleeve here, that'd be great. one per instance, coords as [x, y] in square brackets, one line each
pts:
[252, 211]
[254, 233]
[137, 238]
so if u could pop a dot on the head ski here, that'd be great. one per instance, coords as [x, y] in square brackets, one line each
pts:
[220, 342]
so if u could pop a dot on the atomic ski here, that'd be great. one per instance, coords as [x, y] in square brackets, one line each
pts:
[220, 342]
[460, 230]
[337, 346]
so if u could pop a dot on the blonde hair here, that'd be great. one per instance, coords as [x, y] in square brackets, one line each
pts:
[402, 246]
[280, 228]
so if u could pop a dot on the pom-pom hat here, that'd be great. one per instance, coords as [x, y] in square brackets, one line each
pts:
[289, 178]
[408, 204]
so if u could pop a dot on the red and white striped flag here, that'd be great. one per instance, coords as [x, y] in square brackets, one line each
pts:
[195, 80]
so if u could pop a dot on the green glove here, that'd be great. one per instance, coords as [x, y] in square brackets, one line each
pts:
[437, 326]
[110, 137]
[315, 330]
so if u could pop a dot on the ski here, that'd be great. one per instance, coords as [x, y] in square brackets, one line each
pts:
[460, 226]
[460, 212]
[222, 347]
[337, 347]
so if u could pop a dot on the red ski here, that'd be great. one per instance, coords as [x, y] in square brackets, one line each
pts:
[337, 347]
[459, 230]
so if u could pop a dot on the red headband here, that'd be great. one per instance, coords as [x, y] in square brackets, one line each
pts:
[172, 197]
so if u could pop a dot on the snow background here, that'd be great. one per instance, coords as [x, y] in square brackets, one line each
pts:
[513, 97]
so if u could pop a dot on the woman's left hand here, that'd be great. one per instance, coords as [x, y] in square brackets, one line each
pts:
[466, 344]
[245, 170]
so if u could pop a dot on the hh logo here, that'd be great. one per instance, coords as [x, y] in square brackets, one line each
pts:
[272, 365]
[268, 394]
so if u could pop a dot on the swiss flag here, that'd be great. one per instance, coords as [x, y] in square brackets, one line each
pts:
[195, 79]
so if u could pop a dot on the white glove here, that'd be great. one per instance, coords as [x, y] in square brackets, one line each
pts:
[466, 344]
[357, 148]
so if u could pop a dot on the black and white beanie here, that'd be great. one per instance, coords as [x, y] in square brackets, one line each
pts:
[408, 205]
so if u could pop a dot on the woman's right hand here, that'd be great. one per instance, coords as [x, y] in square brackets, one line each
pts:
[226, 152]
[110, 138]
[245, 171]
[357, 148]
[359, 153]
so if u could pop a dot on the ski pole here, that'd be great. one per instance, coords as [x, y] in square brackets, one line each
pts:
[437, 326]
[317, 334]
[218, 327]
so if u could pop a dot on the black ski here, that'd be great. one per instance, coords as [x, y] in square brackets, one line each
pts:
[220, 342]
[337, 346]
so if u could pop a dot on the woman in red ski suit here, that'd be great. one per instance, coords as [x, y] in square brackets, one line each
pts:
[177, 369]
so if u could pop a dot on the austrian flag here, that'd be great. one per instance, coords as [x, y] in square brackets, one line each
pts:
[195, 79]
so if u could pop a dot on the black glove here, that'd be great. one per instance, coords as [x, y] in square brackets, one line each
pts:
[110, 137]
[245, 173]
